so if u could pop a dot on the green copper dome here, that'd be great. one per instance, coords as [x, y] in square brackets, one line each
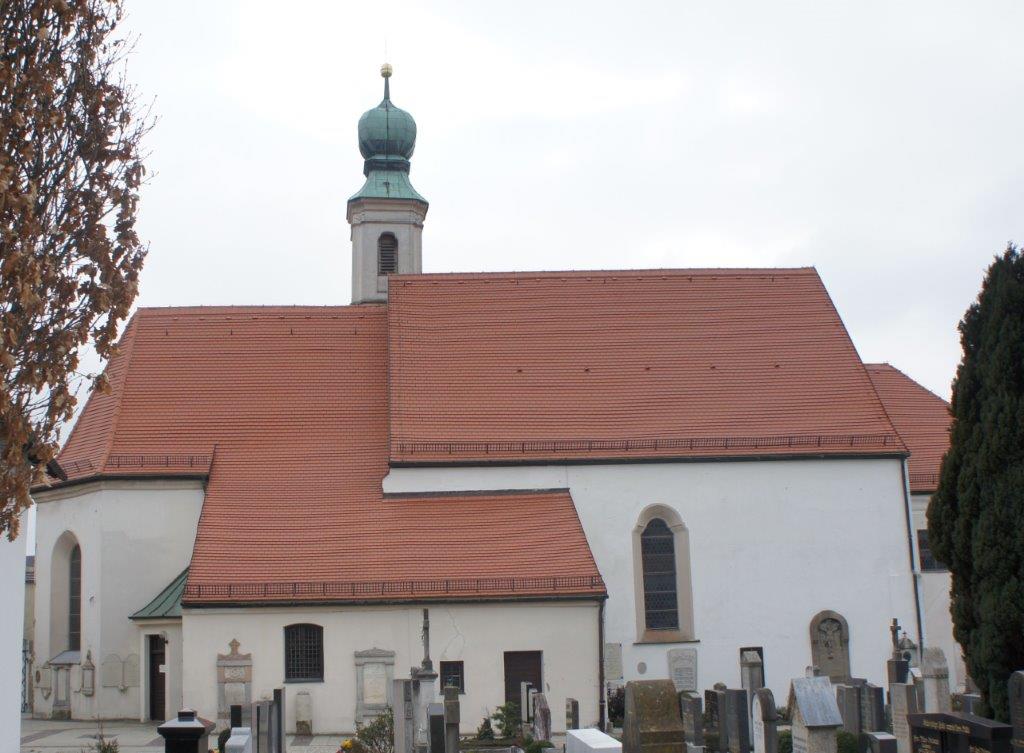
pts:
[387, 140]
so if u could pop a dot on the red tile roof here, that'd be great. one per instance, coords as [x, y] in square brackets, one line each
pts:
[285, 410]
[921, 417]
[616, 365]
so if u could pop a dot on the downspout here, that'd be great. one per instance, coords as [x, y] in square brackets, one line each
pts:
[601, 695]
[914, 575]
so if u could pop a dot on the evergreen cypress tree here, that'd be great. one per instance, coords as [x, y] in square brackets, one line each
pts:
[976, 518]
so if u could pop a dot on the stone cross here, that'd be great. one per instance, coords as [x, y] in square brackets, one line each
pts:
[426, 664]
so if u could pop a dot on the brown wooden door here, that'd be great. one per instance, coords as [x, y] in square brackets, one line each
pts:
[157, 679]
[520, 667]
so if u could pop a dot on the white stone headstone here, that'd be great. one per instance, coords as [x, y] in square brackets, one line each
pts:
[682, 668]
[612, 661]
[375, 684]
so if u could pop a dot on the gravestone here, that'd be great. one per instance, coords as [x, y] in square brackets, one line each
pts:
[693, 719]
[303, 713]
[612, 662]
[374, 675]
[714, 712]
[764, 722]
[572, 714]
[751, 672]
[452, 716]
[737, 720]
[872, 708]
[958, 733]
[848, 700]
[903, 699]
[234, 681]
[830, 645]
[652, 721]
[404, 716]
[525, 688]
[969, 701]
[814, 714]
[1015, 691]
[435, 726]
[935, 681]
[682, 668]
[879, 742]
[541, 717]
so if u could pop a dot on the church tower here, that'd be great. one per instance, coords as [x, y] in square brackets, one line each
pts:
[386, 214]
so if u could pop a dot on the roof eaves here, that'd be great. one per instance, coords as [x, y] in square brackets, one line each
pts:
[167, 603]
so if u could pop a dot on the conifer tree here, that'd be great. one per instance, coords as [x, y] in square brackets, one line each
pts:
[976, 518]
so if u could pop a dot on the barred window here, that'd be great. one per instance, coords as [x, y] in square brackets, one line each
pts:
[75, 600]
[303, 653]
[658, 556]
[387, 254]
[453, 673]
[924, 551]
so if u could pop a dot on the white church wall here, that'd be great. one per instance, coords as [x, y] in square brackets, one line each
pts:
[772, 543]
[12, 585]
[476, 634]
[935, 585]
[135, 537]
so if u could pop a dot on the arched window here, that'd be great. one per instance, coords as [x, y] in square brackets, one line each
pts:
[303, 653]
[658, 558]
[661, 571]
[75, 599]
[387, 254]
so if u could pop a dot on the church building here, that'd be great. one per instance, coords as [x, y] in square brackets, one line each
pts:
[587, 477]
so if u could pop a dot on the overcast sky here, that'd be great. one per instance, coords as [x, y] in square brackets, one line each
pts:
[879, 142]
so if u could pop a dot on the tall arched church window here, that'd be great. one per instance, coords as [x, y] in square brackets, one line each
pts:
[658, 558]
[661, 577]
[75, 599]
[387, 254]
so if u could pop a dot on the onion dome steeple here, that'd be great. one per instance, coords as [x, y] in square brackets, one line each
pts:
[387, 140]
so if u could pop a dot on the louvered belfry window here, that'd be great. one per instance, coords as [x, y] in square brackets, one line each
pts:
[303, 653]
[75, 600]
[387, 254]
[658, 554]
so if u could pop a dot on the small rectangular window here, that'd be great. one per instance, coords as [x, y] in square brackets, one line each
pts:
[927, 559]
[453, 673]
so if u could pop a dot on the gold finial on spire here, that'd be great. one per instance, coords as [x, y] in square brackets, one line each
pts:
[385, 70]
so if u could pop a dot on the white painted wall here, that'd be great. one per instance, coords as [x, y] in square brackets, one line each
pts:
[938, 625]
[772, 544]
[477, 634]
[12, 586]
[135, 536]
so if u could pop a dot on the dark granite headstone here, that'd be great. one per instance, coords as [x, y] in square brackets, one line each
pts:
[872, 708]
[652, 722]
[958, 733]
[1015, 690]
[435, 718]
[848, 700]
[714, 713]
[737, 720]
[693, 719]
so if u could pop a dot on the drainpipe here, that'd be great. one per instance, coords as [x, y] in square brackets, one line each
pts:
[601, 695]
[914, 575]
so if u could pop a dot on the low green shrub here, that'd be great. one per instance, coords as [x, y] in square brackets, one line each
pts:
[786, 742]
[379, 735]
[846, 742]
[506, 717]
[485, 731]
[222, 739]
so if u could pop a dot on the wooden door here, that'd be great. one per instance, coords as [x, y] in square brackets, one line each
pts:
[520, 667]
[157, 679]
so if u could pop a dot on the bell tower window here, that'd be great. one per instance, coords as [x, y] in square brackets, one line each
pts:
[387, 254]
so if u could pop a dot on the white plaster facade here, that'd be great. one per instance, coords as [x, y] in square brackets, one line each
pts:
[135, 537]
[772, 543]
[476, 634]
[12, 586]
[935, 587]
[371, 218]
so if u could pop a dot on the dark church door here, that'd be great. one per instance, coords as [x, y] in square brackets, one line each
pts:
[520, 667]
[157, 679]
